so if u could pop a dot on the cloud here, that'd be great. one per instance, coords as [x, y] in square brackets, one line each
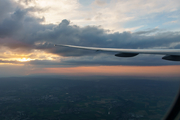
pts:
[54, 10]
[171, 22]
[117, 13]
[146, 32]
[23, 32]
[10, 25]
[99, 2]
[112, 16]
[6, 6]
[2, 61]
[27, 2]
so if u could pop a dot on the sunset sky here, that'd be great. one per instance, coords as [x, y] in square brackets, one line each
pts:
[30, 28]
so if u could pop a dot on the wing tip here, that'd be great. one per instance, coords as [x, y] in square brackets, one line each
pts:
[58, 45]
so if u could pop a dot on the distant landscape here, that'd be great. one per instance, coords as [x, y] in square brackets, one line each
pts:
[103, 98]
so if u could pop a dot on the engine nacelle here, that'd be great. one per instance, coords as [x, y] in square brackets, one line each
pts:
[126, 54]
[171, 57]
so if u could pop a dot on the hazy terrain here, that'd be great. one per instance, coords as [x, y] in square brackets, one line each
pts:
[95, 98]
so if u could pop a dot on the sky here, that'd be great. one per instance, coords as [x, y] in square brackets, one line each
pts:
[30, 28]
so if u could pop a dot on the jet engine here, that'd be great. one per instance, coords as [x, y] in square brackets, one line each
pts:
[126, 54]
[171, 57]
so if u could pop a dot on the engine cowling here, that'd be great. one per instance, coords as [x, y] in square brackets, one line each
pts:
[126, 54]
[171, 57]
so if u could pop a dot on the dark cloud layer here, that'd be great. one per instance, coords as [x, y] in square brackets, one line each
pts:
[21, 30]
[146, 32]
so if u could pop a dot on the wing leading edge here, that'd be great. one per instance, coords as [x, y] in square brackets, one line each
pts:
[170, 54]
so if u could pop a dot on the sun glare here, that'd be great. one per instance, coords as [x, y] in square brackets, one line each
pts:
[25, 59]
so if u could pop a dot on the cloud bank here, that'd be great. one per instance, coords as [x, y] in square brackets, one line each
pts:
[23, 33]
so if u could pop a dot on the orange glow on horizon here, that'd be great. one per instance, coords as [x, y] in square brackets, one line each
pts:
[114, 71]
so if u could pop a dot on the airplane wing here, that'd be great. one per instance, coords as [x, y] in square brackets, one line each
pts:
[170, 54]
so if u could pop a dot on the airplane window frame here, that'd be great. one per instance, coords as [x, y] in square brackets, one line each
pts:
[173, 112]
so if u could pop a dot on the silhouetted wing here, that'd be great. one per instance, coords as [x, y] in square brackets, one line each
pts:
[171, 54]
